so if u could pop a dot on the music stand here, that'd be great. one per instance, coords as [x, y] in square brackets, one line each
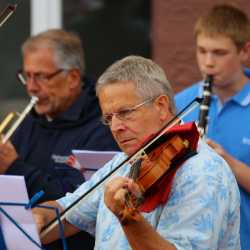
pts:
[17, 224]
[2, 241]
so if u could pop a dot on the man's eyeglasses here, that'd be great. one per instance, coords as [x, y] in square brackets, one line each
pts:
[125, 114]
[40, 77]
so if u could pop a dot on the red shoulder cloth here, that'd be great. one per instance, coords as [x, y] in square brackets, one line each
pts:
[159, 192]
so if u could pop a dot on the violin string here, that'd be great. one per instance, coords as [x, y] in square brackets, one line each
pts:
[133, 174]
[135, 169]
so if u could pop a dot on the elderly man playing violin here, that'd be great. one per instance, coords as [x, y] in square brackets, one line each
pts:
[193, 204]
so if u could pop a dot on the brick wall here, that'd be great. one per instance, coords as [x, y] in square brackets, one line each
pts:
[173, 44]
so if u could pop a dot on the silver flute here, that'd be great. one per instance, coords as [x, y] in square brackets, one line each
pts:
[18, 121]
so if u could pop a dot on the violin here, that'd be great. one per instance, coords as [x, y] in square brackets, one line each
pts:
[159, 166]
[140, 154]
[158, 161]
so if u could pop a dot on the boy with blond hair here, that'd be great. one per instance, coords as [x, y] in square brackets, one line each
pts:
[222, 47]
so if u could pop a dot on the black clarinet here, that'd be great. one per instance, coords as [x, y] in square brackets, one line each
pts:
[205, 103]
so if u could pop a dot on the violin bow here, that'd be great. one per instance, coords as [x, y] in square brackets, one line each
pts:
[134, 157]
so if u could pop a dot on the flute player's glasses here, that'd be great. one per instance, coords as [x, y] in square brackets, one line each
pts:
[39, 78]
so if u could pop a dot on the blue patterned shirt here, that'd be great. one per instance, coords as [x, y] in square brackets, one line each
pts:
[201, 213]
[228, 125]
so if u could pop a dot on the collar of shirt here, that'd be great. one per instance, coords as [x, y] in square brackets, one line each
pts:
[242, 97]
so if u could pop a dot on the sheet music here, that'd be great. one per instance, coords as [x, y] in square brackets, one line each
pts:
[13, 189]
[90, 161]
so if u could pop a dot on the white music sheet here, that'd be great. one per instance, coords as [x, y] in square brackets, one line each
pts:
[92, 160]
[13, 189]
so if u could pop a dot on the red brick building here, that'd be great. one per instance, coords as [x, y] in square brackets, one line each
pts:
[173, 44]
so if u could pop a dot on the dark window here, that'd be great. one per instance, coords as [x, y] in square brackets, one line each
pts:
[12, 35]
[110, 30]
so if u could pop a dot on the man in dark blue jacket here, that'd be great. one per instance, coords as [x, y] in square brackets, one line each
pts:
[66, 117]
